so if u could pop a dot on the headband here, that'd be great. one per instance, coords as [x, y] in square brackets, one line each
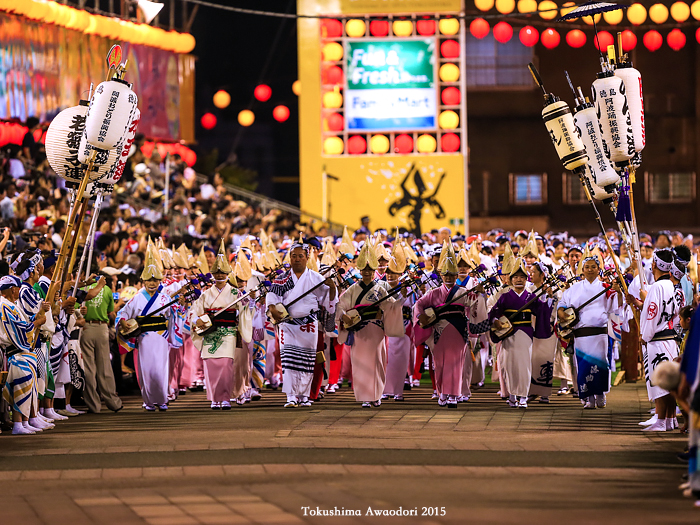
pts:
[29, 271]
[303, 246]
[591, 258]
[542, 267]
[9, 281]
[662, 265]
[677, 270]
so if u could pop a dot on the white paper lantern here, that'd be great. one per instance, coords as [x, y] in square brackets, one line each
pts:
[632, 79]
[104, 159]
[63, 140]
[613, 113]
[599, 167]
[111, 111]
[596, 191]
[560, 125]
[122, 152]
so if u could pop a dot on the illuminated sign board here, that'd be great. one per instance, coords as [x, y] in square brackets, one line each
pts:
[390, 85]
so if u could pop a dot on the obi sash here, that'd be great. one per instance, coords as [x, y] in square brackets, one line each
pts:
[454, 314]
[156, 323]
[223, 319]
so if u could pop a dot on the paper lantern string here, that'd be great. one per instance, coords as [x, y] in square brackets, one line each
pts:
[624, 212]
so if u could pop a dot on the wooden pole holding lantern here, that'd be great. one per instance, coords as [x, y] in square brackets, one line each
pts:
[66, 257]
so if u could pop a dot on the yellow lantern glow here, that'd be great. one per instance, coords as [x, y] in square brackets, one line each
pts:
[92, 26]
[613, 17]
[296, 87]
[72, 18]
[449, 72]
[450, 26]
[355, 28]
[680, 11]
[52, 12]
[527, 6]
[484, 5]
[402, 27]
[589, 19]
[62, 15]
[187, 43]
[332, 99]
[545, 12]
[567, 8]
[695, 9]
[246, 118]
[448, 120]
[505, 6]
[332, 52]
[426, 144]
[636, 14]
[658, 13]
[379, 144]
[221, 99]
[83, 20]
[333, 146]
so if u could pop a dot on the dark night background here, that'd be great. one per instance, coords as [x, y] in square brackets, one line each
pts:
[232, 50]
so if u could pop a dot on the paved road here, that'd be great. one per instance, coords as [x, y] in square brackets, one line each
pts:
[480, 463]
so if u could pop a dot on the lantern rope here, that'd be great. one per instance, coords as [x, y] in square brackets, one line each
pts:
[513, 16]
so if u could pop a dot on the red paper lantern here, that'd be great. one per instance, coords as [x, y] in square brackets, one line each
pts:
[208, 121]
[550, 38]
[357, 144]
[502, 32]
[652, 40]
[334, 75]
[450, 96]
[331, 28]
[603, 40]
[280, 113]
[425, 27]
[403, 143]
[449, 49]
[676, 39]
[529, 36]
[335, 122]
[379, 27]
[479, 28]
[629, 40]
[449, 143]
[576, 38]
[263, 92]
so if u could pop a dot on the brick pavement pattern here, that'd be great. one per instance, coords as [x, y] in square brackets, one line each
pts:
[260, 463]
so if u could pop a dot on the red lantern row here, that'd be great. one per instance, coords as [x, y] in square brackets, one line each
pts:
[13, 133]
[403, 144]
[331, 28]
[187, 155]
[550, 38]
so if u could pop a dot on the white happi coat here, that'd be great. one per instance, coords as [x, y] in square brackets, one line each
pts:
[298, 342]
[658, 314]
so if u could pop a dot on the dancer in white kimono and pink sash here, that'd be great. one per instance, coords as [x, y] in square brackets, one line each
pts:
[298, 333]
[152, 353]
[218, 347]
[448, 337]
[366, 339]
[398, 348]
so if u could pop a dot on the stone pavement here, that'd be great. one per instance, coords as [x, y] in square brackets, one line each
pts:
[480, 463]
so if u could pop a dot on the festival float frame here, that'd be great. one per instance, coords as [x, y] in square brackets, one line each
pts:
[395, 152]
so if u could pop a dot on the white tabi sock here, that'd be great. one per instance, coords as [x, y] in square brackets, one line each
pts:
[50, 412]
[31, 428]
[36, 422]
[19, 428]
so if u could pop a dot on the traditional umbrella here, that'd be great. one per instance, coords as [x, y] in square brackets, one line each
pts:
[591, 9]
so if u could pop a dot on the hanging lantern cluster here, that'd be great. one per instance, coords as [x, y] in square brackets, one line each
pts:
[447, 138]
[49, 12]
[163, 148]
[637, 14]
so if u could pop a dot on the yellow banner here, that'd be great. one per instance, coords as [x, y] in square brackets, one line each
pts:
[411, 192]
